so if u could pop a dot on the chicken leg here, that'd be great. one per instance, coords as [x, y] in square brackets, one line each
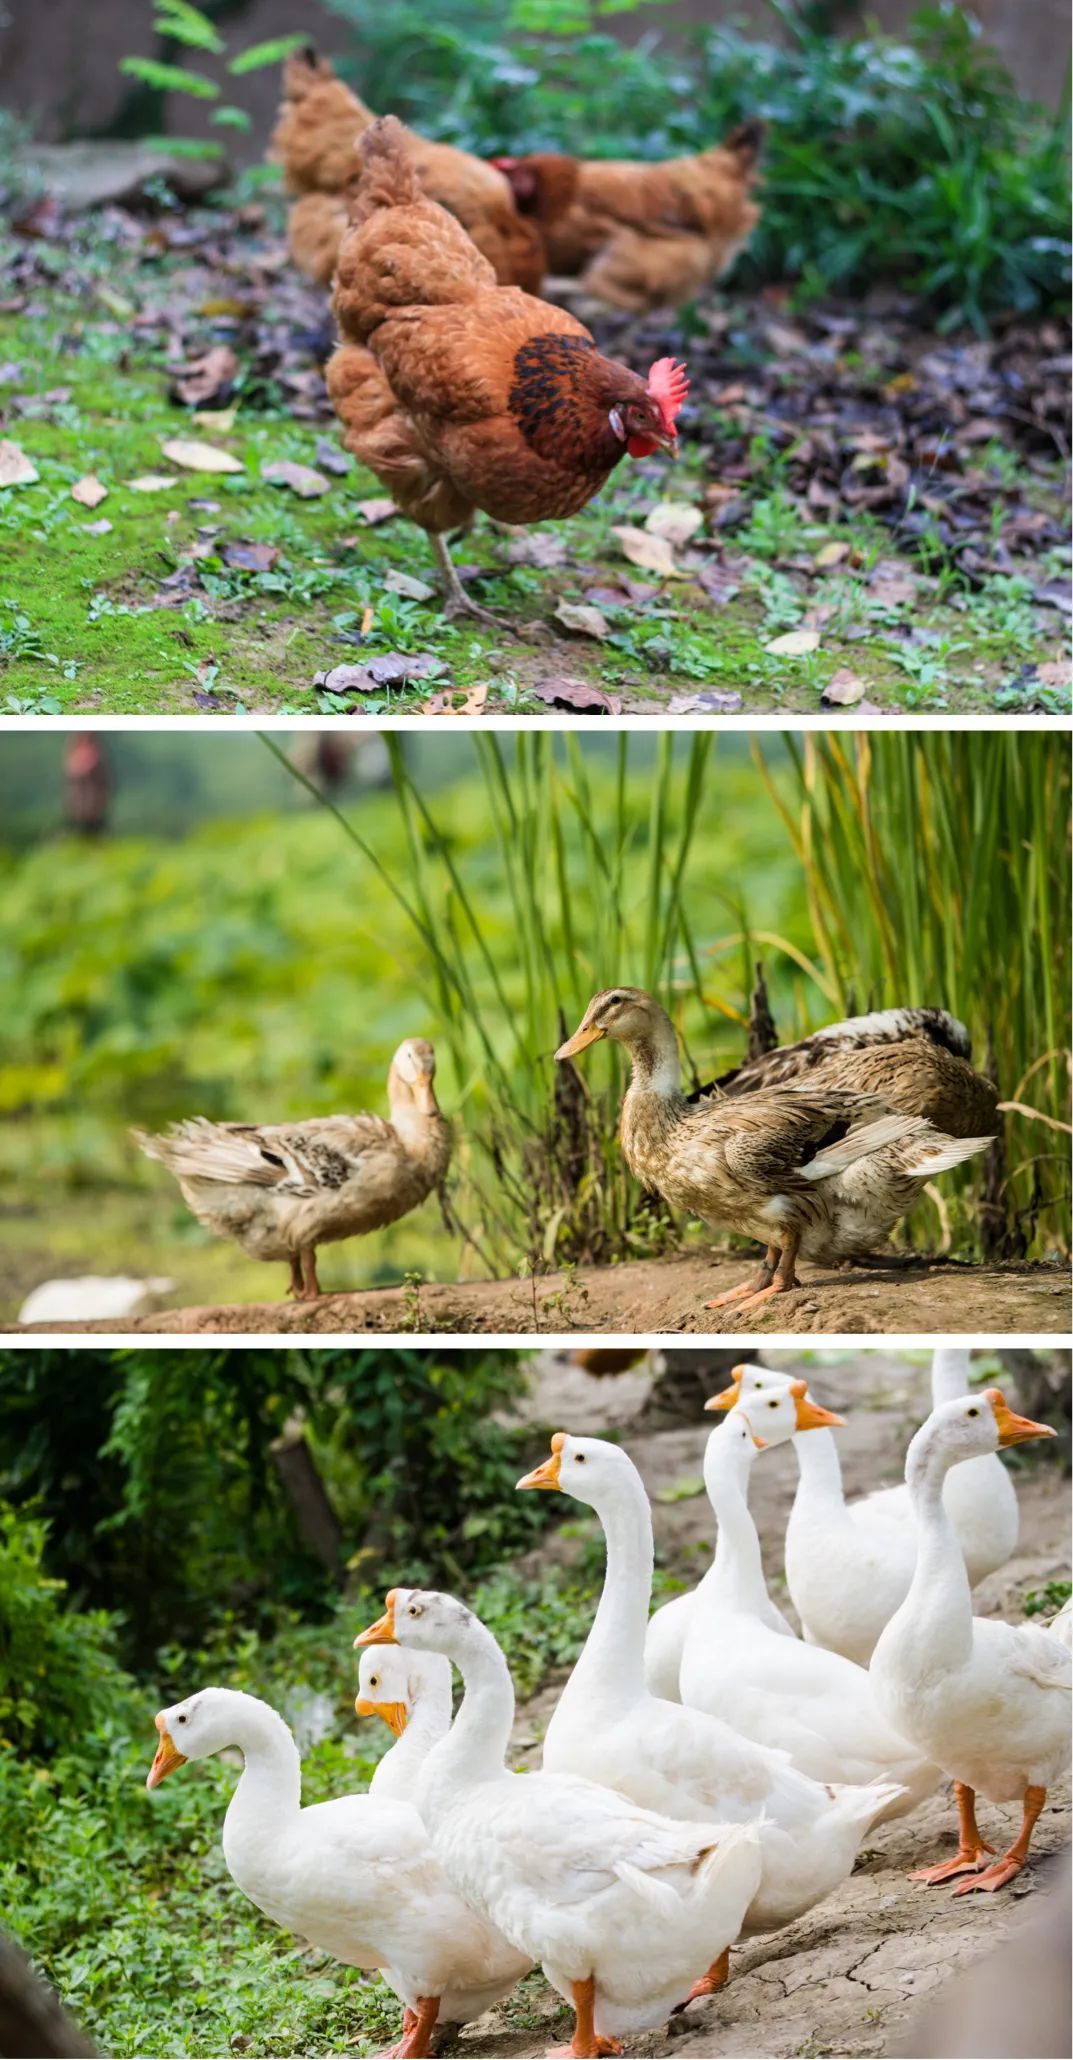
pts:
[1012, 1862]
[969, 1858]
[587, 2043]
[456, 601]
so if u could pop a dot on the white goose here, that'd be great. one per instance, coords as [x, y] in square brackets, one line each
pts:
[683, 1762]
[624, 1908]
[743, 1664]
[354, 1876]
[990, 1701]
[849, 1564]
[411, 1693]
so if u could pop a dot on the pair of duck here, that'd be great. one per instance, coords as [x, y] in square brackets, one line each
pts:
[658, 1831]
[816, 1149]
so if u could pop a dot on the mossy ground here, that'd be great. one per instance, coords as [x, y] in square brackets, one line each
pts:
[86, 625]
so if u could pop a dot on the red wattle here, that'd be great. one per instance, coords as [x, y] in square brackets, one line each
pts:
[641, 446]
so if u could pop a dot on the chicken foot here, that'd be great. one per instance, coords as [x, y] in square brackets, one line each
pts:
[456, 601]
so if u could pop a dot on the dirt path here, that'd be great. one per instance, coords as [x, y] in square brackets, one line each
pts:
[851, 1976]
[657, 1297]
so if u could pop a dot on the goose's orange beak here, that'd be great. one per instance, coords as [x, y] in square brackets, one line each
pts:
[383, 1631]
[167, 1757]
[547, 1476]
[808, 1416]
[1014, 1430]
[728, 1396]
[393, 1714]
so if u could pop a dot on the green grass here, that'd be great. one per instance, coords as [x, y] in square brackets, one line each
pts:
[95, 639]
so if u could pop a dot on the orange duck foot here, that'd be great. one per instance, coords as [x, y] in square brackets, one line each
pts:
[595, 2051]
[962, 1863]
[991, 1878]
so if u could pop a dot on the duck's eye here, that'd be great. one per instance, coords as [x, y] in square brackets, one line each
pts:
[972, 1412]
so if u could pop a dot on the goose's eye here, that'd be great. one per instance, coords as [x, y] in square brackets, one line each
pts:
[413, 1610]
[772, 1405]
[580, 1457]
[374, 1680]
[182, 1718]
[972, 1412]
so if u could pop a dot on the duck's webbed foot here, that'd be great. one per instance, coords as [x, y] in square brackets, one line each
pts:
[709, 1984]
[759, 1281]
[774, 1279]
[305, 1287]
[456, 601]
[969, 1858]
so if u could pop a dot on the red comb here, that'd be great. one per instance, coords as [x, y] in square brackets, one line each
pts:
[668, 385]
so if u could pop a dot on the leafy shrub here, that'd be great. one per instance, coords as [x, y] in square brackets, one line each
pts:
[910, 159]
[58, 1666]
[179, 22]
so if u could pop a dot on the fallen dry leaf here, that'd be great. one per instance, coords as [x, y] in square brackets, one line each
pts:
[373, 512]
[153, 483]
[892, 593]
[404, 584]
[193, 456]
[715, 702]
[536, 547]
[332, 458]
[221, 420]
[797, 643]
[585, 622]
[843, 690]
[251, 557]
[301, 479]
[1058, 675]
[205, 377]
[578, 695]
[831, 554]
[101, 527]
[347, 679]
[16, 468]
[676, 521]
[651, 553]
[464, 701]
[88, 491]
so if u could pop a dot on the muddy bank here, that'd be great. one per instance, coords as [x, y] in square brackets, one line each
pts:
[658, 1297]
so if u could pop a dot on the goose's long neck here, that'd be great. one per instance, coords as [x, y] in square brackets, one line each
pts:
[612, 1666]
[735, 1579]
[429, 1721]
[938, 1607]
[269, 1792]
[949, 1374]
[820, 1471]
[475, 1748]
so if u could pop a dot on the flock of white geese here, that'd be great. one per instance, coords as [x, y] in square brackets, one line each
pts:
[707, 1773]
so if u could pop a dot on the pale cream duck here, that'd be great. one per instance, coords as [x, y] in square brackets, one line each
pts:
[282, 1189]
[821, 1170]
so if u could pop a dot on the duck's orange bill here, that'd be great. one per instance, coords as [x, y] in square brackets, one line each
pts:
[726, 1399]
[547, 1476]
[808, 1415]
[587, 1034]
[1014, 1430]
[167, 1757]
[383, 1631]
[393, 1714]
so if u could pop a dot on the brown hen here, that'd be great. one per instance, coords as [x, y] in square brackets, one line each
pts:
[462, 394]
[315, 140]
[642, 236]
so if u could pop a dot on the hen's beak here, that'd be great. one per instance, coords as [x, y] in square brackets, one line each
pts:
[393, 1714]
[546, 1476]
[726, 1399]
[808, 1415]
[1014, 1430]
[383, 1631]
[587, 1034]
[167, 1757]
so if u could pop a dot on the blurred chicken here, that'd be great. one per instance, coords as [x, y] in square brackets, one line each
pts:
[642, 236]
[460, 394]
[315, 137]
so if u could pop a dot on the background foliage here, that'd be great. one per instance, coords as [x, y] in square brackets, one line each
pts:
[910, 158]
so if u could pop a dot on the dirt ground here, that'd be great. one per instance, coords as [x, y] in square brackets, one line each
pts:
[851, 1976]
[658, 1297]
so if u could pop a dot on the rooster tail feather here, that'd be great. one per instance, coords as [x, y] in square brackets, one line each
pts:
[386, 176]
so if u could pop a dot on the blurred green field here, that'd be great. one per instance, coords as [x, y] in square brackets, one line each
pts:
[262, 966]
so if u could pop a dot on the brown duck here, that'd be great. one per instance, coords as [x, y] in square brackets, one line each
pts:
[282, 1189]
[817, 1149]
